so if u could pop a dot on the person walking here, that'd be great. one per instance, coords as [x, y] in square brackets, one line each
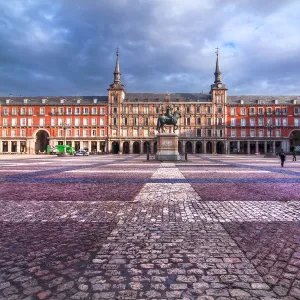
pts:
[282, 157]
[294, 156]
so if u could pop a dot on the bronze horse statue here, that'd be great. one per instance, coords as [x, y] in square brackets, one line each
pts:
[168, 119]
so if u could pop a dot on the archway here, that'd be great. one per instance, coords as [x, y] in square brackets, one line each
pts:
[198, 147]
[294, 139]
[115, 148]
[41, 142]
[220, 148]
[209, 147]
[146, 146]
[136, 148]
[125, 148]
[188, 147]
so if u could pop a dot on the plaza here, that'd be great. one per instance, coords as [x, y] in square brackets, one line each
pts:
[120, 227]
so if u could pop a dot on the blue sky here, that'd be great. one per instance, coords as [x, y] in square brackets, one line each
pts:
[67, 47]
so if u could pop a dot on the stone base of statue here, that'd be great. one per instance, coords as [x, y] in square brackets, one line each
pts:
[167, 147]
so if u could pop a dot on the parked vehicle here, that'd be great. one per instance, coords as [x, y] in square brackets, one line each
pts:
[60, 149]
[81, 153]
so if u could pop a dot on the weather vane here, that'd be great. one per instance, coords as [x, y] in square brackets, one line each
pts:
[217, 52]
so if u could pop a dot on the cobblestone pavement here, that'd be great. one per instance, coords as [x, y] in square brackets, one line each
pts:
[118, 227]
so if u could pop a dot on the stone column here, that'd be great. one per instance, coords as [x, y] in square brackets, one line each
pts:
[121, 147]
[238, 146]
[141, 147]
[109, 146]
[131, 147]
[266, 147]
[89, 146]
[152, 147]
[248, 147]
[193, 147]
[204, 147]
[98, 146]
[18, 146]
[274, 147]
[214, 149]
[256, 146]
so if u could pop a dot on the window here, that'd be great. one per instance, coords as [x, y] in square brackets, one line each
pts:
[251, 111]
[102, 133]
[77, 132]
[14, 111]
[102, 111]
[220, 121]
[187, 121]
[115, 121]
[126, 110]
[94, 132]
[243, 111]
[187, 110]
[269, 110]
[135, 110]
[135, 132]
[60, 122]
[135, 121]
[60, 110]
[30, 123]
[252, 122]
[53, 121]
[208, 109]
[277, 111]
[13, 133]
[219, 99]
[42, 110]
[243, 133]
[269, 121]
[277, 132]
[23, 111]
[219, 110]
[157, 110]
[30, 111]
[260, 111]
[5, 111]
[146, 132]
[277, 121]
[209, 132]
[77, 121]
[69, 110]
[198, 132]
[14, 122]
[77, 110]
[208, 121]
[296, 122]
[296, 110]
[85, 132]
[198, 109]
[94, 110]
[233, 121]
[4, 132]
[5, 122]
[260, 121]
[233, 133]
[42, 122]
[85, 110]
[146, 121]
[284, 111]
[125, 132]
[146, 110]
[125, 121]
[260, 133]
[198, 121]
[115, 110]
[69, 121]
[252, 133]
[232, 111]
[115, 98]
[94, 121]
[188, 132]
[243, 121]
[22, 132]
[68, 132]
[85, 121]
[102, 121]
[53, 110]
[23, 122]
[284, 122]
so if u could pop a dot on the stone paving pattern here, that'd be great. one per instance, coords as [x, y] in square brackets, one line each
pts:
[119, 227]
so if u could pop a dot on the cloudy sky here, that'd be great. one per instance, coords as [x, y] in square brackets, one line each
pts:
[67, 47]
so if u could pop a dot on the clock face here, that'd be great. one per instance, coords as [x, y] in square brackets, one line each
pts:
[219, 85]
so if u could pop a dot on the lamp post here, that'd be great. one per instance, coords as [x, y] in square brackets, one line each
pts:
[65, 126]
[270, 127]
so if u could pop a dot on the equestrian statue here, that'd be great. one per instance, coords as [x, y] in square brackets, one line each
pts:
[168, 118]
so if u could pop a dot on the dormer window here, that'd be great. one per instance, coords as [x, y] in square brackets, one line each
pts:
[7, 101]
[95, 100]
[258, 101]
[275, 101]
[294, 101]
[78, 101]
[44, 101]
[62, 101]
[241, 101]
[25, 101]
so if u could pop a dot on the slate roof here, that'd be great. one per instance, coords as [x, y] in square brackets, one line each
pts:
[159, 97]
[264, 100]
[55, 100]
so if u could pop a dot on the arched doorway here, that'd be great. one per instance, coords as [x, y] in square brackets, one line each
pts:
[294, 139]
[209, 147]
[179, 147]
[155, 147]
[125, 148]
[220, 148]
[41, 142]
[146, 147]
[199, 147]
[188, 147]
[136, 148]
[115, 148]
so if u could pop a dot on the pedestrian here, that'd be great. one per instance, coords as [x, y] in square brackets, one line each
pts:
[282, 157]
[294, 156]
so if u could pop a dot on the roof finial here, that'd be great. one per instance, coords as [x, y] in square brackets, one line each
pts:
[117, 51]
[218, 72]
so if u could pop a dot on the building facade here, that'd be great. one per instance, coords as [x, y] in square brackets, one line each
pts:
[124, 122]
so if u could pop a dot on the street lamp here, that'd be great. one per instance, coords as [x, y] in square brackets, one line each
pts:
[270, 127]
[65, 126]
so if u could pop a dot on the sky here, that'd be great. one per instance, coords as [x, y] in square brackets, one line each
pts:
[68, 47]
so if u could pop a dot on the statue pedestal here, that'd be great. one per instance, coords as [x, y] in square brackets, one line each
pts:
[167, 147]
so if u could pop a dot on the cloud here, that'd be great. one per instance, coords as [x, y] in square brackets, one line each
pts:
[68, 47]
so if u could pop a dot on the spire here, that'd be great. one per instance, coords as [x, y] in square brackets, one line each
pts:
[117, 75]
[218, 72]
